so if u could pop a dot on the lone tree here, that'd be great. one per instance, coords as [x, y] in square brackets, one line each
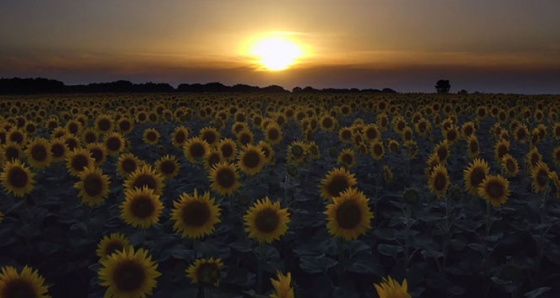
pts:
[443, 86]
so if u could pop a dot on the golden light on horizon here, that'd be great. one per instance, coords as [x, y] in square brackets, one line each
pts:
[276, 53]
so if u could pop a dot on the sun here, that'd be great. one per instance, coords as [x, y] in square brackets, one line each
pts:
[276, 53]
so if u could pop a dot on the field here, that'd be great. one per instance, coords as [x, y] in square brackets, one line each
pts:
[214, 195]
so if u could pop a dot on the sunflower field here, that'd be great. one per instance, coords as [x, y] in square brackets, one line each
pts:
[288, 195]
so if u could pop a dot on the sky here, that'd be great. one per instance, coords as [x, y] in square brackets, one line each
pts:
[507, 46]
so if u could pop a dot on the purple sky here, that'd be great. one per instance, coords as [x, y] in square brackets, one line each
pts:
[509, 46]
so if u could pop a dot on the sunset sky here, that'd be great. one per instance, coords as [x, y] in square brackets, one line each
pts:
[510, 46]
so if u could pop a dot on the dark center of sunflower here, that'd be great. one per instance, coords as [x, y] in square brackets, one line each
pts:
[502, 150]
[196, 214]
[377, 149]
[267, 220]
[452, 134]
[535, 159]
[477, 176]
[521, 134]
[347, 159]
[30, 128]
[142, 117]
[151, 136]
[265, 151]
[371, 134]
[208, 273]
[97, 154]
[297, 151]
[124, 125]
[440, 182]
[90, 137]
[79, 162]
[245, 138]
[394, 146]
[494, 189]
[510, 165]
[348, 215]
[168, 167]
[19, 288]
[142, 206]
[473, 146]
[468, 130]
[346, 135]
[442, 153]
[129, 165]
[113, 246]
[73, 128]
[327, 122]
[225, 177]
[209, 137]
[145, 180]
[227, 150]
[400, 125]
[16, 137]
[18, 177]
[129, 276]
[93, 185]
[180, 137]
[104, 125]
[213, 159]
[57, 150]
[408, 135]
[338, 184]
[71, 143]
[153, 117]
[113, 144]
[273, 134]
[542, 177]
[39, 152]
[252, 159]
[197, 150]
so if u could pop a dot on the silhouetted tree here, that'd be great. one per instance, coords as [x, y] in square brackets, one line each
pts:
[443, 86]
[463, 92]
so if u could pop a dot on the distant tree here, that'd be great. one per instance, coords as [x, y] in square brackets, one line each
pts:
[296, 89]
[388, 90]
[463, 92]
[443, 86]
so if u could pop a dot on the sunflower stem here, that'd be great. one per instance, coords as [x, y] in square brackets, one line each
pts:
[406, 241]
[260, 266]
[341, 260]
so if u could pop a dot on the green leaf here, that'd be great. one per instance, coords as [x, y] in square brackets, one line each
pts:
[537, 292]
[316, 264]
[389, 250]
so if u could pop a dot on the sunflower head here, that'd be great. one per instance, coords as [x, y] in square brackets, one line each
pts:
[16, 178]
[145, 176]
[196, 149]
[390, 288]
[265, 221]
[474, 174]
[347, 158]
[128, 273]
[179, 136]
[77, 160]
[210, 135]
[335, 182]
[141, 207]
[205, 271]
[282, 286]
[251, 159]
[494, 189]
[377, 150]
[27, 283]
[224, 178]
[58, 149]
[540, 175]
[510, 165]
[473, 147]
[151, 136]
[93, 186]
[195, 215]
[168, 166]
[115, 143]
[111, 244]
[438, 181]
[39, 153]
[349, 215]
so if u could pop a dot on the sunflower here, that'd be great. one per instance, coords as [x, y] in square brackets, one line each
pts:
[179, 136]
[224, 178]
[125, 125]
[349, 215]
[196, 149]
[423, 127]
[501, 148]
[128, 273]
[371, 132]
[90, 136]
[494, 189]
[10, 151]
[442, 151]
[17, 178]
[205, 271]
[533, 157]
[145, 176]
[251, 160]
[451, 135]
[245, 137]
[141, 208]
[17, 135]
[390, 288]
[195, 215]
[151, 136]
[210, 135]
[328, 123]
[273, 133]
[227, 148]
[521, 134]
[313, 150]
[93, 186]
[407, 134]
[58, 149]
[439, 181]
[74, 127]
[98, 153]
[267, 150]
[128, 163]
[27, 283]
[539, 174]
[556, 155]
[213, 158]
[473, 146]
[510, 165]
[347, 158]
[335, 182]
[474, 174]
[111, 244]
[297, 152]
[345, 134]
[71, 141]
[282, 288]
[115, 143]
[468, 130]
[104, 123]
[265, 221]
[38, 153]
[77, 160]
[377, 150]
